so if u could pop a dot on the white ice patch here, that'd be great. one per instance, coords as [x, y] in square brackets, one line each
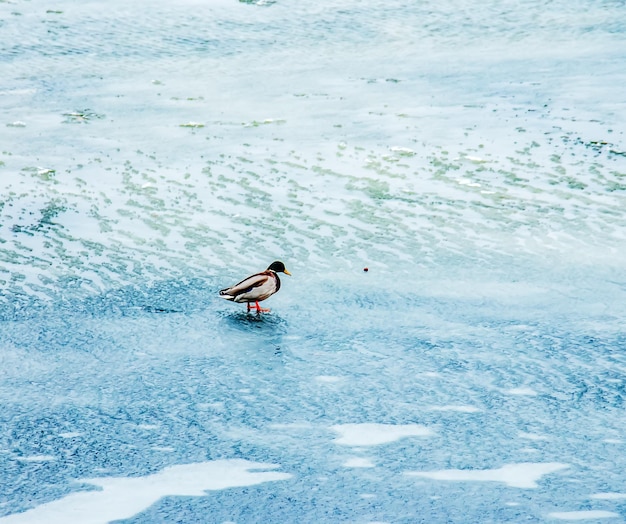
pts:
[70, 434]
[403, 150]
[328, 378]
[430, 374]
[358, 462]
[121, 498]
[583, 515]
[459, 409]
[375, 434]
[35, 458]
[608, 496]
[523, 391]
[522, 475]
[475, 159]
[532, 436]
[467, 182]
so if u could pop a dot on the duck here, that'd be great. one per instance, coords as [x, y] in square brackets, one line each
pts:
[257, 287]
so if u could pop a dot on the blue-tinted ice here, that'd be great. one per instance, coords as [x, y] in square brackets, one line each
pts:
[472, 157]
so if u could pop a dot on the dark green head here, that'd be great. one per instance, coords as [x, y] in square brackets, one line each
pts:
[278, 267]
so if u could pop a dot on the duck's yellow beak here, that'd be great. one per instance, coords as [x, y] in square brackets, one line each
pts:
[287, 272]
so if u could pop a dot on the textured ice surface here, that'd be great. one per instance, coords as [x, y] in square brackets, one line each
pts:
[471, 155]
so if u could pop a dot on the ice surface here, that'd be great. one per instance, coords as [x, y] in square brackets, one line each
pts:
[471, 155]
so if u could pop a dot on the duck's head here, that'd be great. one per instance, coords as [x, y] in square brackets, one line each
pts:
[278, 267]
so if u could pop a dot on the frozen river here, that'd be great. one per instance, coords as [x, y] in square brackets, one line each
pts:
[471, 156]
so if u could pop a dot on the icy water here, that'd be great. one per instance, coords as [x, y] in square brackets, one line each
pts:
[471, 155]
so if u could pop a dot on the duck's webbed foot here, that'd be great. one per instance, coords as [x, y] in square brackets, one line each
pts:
[258, 308]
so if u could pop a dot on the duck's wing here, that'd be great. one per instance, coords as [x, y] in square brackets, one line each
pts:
[255, 287]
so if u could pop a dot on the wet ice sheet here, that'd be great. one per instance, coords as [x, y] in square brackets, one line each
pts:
[152, 153]
[150, 391]
[452, 166]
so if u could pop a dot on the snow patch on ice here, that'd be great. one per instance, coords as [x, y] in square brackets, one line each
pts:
[583, 515]
[459, 409]
[532, 436]
[375, 434]
[523, 391]
[608, 496]
[70, 434]
[121, 497]
[36, 458]
[328, 378]
[522, 475]
[358, 462]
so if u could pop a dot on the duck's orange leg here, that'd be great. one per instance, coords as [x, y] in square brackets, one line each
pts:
[258, 308]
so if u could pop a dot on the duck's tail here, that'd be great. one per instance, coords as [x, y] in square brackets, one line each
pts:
[224, 294]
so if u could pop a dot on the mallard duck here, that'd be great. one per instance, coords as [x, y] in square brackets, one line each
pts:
[256, 287]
